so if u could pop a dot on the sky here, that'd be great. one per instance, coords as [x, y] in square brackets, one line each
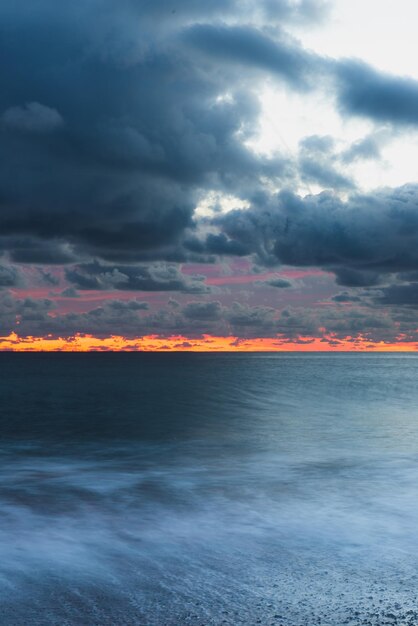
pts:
[232, 175]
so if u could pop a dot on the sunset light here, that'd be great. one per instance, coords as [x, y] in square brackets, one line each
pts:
[207, 343]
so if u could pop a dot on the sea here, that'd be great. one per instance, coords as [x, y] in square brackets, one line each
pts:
[208, 489]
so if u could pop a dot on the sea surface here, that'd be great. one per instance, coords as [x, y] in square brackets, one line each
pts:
[208, 489]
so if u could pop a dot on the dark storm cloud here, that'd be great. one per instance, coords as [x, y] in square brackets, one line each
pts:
[135, 318]
[31, 314]
[118, 118]
[157, 277]
[32, 118]
[112, 127]
[131, 305]
[47, 278]
[243, 315]
[350, 277]
[382, 97]
[70, 292]
[251, 48]
[11, 276]
[32, 310]
[320, 171]
[359, 239]
[33, 251]
[32, 317]
[290, 10]
[132, 318]
[208, 311]
[398, 295]
[341, 322]
[278, 283]
[357, 321]
[217, 244]
[345, 297]
[321, 162]
[113, 121]
[234, 319]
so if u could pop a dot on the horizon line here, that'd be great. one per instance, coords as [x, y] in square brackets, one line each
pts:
[81, 342]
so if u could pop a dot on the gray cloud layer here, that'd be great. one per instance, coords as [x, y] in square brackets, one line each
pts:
[360, 239]
[117, 118]
[133, 318]
[111, 123]
[113, 118]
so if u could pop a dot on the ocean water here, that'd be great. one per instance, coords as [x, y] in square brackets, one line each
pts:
[171, 489]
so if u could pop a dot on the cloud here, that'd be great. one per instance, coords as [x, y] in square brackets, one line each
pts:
[252, 48]
[118, 119]
[367, 148]
[216, 244]
[240, 315]
[32, 118]
[11, 276]
[359, 239]
[398, 295]
[112, 126]
[207, 311]
[130, 305]
[35, 252]
[319, 171]
[382, 97]
[70, 292]
[278, 283]
[345, 297]
[350, 277]
[134, 318]
[317, 160]
[275, 10]
[48, 278]
[156, 277]
[323, 162]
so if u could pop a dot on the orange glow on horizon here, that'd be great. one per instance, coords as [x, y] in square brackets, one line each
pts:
[206, 343]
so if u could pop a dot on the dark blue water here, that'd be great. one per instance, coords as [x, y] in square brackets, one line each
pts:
[208, 489]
